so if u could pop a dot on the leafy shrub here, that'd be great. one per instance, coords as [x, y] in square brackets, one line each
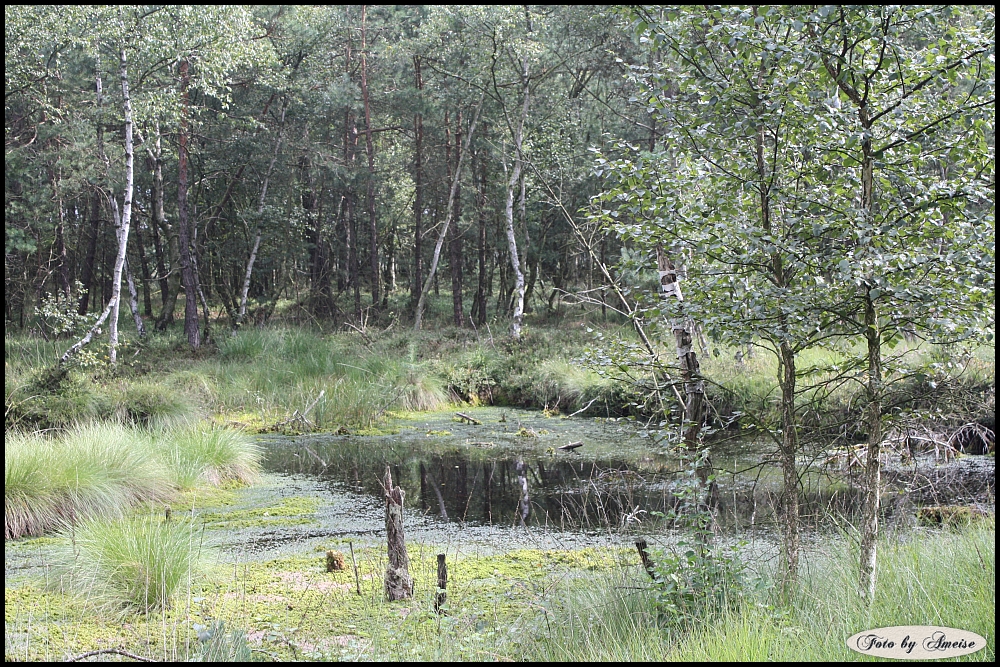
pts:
[58, 315]
[697, 581]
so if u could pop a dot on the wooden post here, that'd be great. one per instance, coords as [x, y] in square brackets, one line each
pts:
[357, 579]
[442, 595]
[398, 582]
[647, 562]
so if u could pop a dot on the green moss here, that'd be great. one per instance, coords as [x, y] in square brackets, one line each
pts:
[377, 430]
[292, 511]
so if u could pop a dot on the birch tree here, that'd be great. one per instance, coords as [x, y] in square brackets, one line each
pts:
[907, 137]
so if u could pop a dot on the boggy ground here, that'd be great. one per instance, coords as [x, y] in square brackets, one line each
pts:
[514, 592]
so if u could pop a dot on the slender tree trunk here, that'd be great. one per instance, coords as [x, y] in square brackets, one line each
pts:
[873, 391]
[245, 289]
[354, 272]
[147, 301]
[418, 194]
[418, 316]
[369, 147]
[62, 263]
[515, 180]
[126, 214]
[184, 227]
[87, 272]
[157, 224]
[480, 303]
[789, 473]
[694, 384]
[786, 379]
[455, 242]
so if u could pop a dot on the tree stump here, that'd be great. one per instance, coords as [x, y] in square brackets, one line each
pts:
[398, 582]
[334, 561]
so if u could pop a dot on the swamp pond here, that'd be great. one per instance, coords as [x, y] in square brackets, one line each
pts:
[511, 510]
[505, 483]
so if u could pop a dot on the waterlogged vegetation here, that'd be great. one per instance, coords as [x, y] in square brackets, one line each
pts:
[653, 333]
[153, 542]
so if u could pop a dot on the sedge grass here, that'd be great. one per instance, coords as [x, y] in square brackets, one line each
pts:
[214, 455]
[137, 563]
[91, 471]
[104, 470]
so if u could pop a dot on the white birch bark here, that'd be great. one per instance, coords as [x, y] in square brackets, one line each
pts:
[514, 181]
[126, 216]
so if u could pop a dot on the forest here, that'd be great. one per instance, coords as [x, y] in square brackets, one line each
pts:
[498, 332]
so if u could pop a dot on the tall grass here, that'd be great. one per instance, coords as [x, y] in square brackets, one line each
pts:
[135, 564]
[92, 471]
[102, 471]
[215, 455]
[939, 577]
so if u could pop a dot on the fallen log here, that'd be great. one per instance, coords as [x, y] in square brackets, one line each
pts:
[472, 420]
[571, 446]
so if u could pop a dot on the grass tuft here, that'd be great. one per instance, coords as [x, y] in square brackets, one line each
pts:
[102, 471]
[91, 471]
[135, 564]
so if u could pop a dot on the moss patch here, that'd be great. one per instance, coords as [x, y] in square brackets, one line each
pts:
[292, 511]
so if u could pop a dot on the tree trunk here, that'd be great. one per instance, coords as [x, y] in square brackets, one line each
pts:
[62, 264]
[158, 223]
[126, 216]
[87, 272]
[418, 316]
[479, 305]
[350, 151]
[369, 147]
[147, 301]
[245, 289]
[398, 583]
[515, 180]
[184, 228]
[455, 242]
[790, 475]
[354, 277]
[418, 191]
[873, 391]
[694, 384]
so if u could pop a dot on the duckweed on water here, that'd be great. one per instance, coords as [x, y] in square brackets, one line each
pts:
[287, 511]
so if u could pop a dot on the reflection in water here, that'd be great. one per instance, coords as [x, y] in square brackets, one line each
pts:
[498, 486]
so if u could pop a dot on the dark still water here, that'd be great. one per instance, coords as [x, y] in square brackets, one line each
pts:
[509, 471]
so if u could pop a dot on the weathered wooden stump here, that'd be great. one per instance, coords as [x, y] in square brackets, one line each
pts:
[647, 562]
[442, 594]
[398, 582]
[334, 561]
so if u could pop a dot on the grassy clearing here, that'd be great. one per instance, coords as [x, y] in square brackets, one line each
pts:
[101, 471]
[302, 379]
